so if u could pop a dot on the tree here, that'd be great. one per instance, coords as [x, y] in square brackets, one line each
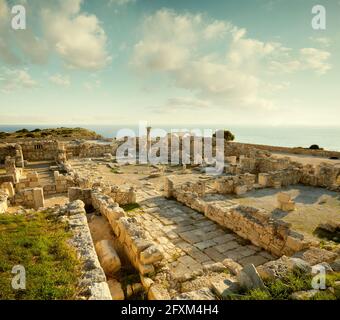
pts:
[228, 136]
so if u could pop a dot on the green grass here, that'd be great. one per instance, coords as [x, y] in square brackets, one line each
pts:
[38, 243]
[281, 289]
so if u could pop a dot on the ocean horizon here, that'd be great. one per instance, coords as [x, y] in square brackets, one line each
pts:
[326, 137]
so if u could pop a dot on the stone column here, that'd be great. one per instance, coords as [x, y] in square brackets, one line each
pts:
[148, 141]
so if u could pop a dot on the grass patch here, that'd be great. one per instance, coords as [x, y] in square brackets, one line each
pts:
[39, 243]
[281, 289]
[130, 207]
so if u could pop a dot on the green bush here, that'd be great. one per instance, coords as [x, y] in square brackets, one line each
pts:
[228, 136]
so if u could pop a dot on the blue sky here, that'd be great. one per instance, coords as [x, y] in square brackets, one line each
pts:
[249, 62]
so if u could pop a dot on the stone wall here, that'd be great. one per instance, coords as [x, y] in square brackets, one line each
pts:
[40, 150]
[250, 223]
[31, 181]
[7, 149]
[31, 198]
[237, 184]
[143, 253]
[92, 282]
[89, 149]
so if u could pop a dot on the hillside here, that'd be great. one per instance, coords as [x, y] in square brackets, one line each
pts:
[55, 133]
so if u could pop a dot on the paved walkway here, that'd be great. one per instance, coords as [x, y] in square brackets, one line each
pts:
[190, 240]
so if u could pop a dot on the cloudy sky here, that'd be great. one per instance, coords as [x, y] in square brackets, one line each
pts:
[255, 62]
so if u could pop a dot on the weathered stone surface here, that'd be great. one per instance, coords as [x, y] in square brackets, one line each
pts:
[151, 255]
[158, 292]
[281, 267]
[336, 265]
[316, 255]
[232, 266]
[201, 294]
[108, 257]
[225, 288]
[250, 279]
[116, 290]
[100, 291]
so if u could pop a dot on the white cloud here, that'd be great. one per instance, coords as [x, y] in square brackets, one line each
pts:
[60, 80]
[77, 37]
[174, 44]
[217, 29]
[316, 59]
[15, 79]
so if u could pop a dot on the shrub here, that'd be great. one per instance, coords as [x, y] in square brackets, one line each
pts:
[228, 136]
[22, 131]
[36, 130]
[314, 147]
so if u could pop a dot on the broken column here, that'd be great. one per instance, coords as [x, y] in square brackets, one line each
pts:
[168, 187]
[11, 169]
[19, 158]
[38, 198]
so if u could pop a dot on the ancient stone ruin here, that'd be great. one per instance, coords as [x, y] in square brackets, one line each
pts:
[181, 233]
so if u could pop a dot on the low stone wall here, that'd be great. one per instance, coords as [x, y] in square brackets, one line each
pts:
[31, 198]
[93, 285]
[250, 223]
[39, 150]
[3, 201]
[31, 181]
[76, 193]
[237, 184]
[143, 253]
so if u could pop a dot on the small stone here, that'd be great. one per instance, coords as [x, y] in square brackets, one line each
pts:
[225, 288]
[146, 282]
[250, 279]
[232, 266]
[214, 267]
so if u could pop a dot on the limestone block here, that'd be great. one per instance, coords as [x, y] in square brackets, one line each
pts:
[38, 198]
[316, 255]
[225, 288]
[151, 255]
[250, 279]
[116, 290]
[239, 190]
[8, 188]
[108, 257]
[146, 282]
[232, 266]
[140, 244]
[145, 269]
[263, 179]
[100, 291]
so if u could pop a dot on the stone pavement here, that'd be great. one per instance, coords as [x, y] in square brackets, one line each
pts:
[190, 241]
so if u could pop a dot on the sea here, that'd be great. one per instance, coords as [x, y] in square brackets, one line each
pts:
[325, 137]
